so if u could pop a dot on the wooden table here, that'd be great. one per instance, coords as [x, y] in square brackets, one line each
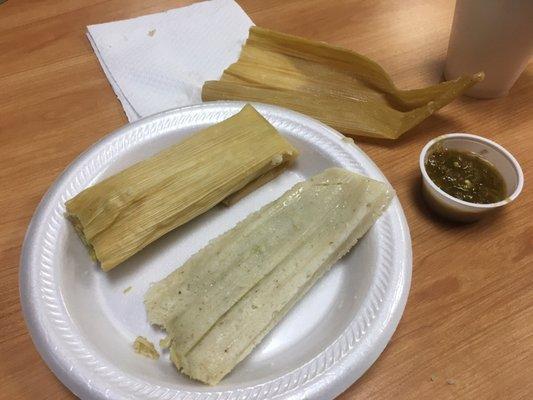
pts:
[467, 331]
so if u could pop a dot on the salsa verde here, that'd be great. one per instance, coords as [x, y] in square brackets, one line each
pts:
[466, 176]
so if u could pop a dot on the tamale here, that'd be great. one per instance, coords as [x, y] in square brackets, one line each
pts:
[124, 213]
[342, 88]
[220, 304]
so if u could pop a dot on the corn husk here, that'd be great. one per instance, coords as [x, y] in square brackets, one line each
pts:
[124, 213]
[341, 88]
[220, 304]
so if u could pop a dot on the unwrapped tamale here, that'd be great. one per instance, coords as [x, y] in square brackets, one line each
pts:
[343, 89]
[229, 295]
[124, 213]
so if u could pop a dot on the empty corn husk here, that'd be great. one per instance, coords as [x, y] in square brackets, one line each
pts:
[221, 303]
[124, 213]
[341, 88]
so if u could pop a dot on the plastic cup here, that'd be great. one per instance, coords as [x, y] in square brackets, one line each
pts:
[493, 36]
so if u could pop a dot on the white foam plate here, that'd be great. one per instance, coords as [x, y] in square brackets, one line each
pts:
[83, 324]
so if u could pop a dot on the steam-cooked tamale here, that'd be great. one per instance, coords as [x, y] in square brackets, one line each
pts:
[124, 213]
[229, 295]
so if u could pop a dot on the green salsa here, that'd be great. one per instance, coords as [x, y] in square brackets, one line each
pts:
[466, 176]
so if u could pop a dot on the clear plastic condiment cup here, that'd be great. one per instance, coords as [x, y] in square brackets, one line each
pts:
[460, 210]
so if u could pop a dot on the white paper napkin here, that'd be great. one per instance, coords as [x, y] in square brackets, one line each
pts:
[160, 61]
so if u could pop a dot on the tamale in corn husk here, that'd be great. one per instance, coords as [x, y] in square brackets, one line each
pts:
[124, 213]
[341, 88]
[221, 303]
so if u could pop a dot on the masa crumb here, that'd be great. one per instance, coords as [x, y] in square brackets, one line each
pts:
[127, 290]
[348, 140]
[145, 348]
[450, 381]
[433, 377]
[151, 33]
[165, 343]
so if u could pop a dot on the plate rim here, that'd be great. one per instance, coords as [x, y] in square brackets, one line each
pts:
[348, 369]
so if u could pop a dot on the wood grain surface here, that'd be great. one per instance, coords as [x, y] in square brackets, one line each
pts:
[467, 331]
